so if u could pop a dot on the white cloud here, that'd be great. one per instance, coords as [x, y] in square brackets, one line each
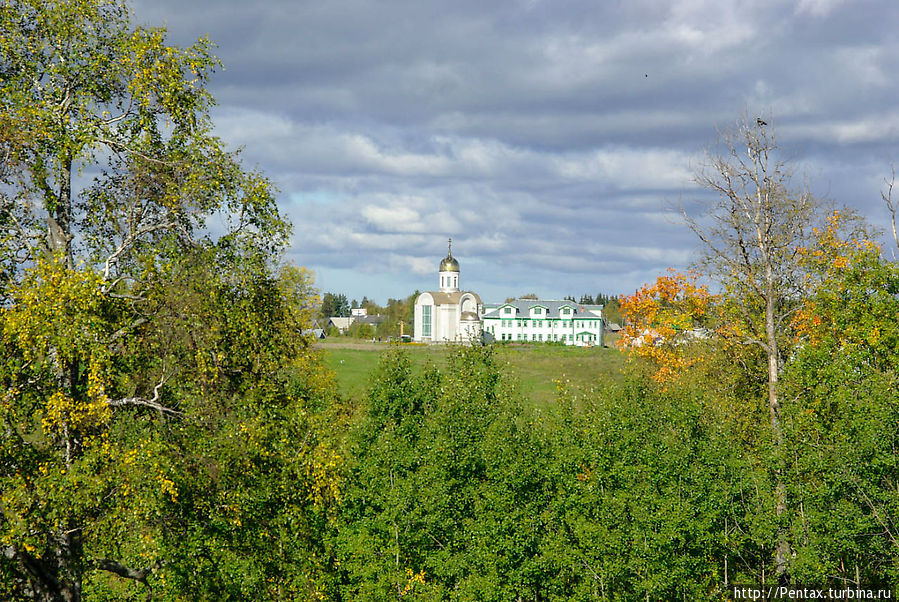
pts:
[417, 265]
[629, 168]
[883, 127]
[817, 8]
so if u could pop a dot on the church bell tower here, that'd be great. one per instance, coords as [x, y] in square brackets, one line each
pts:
[449, 272]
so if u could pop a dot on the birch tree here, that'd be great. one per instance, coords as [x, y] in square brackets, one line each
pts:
[143, 361]
[752, 234]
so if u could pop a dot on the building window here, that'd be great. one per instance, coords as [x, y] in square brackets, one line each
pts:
[507, 310]
[425, 320]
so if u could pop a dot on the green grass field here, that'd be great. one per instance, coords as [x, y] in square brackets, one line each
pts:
[535, 367]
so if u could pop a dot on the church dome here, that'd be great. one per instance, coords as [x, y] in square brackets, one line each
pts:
[449, 264]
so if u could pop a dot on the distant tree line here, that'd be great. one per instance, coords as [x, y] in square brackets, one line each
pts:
[611, 309]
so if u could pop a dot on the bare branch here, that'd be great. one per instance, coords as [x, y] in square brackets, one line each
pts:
[139, 575]
[124, 330]
[104, 564]
[888, 199]
[125, 113]
[153, 402]
[121, 148]
[874, 509]
[140, 401]
[128, 242]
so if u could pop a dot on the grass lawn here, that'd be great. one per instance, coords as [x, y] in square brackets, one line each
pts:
[534, 366]
[538, 366]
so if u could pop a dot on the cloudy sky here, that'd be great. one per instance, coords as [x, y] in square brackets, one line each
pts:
[549, 139]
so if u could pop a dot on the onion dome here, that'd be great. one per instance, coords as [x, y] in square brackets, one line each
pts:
[449, 263]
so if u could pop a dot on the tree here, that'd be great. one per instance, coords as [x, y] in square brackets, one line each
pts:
[887, 197]
[334, 306]
[136, 348]
[360, 330]
[752, 236]
[841, 437]
[661, 320]
[398, 312]
[610, 307]
[449, 491]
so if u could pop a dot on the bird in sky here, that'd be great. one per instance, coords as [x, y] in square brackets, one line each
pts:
[759, 121]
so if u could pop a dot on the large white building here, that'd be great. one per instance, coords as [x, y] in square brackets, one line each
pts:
[448, 315]
[537, 320]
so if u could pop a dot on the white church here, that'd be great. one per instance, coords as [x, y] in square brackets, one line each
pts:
[448, 315]
[453, 316]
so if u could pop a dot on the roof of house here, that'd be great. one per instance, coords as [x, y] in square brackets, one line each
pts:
[374, 320]
[553, 308]
[341, 322]
[450, 298]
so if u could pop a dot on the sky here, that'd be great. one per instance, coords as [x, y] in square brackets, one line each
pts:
[552, 141]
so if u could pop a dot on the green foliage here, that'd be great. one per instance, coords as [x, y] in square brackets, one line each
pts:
[611, 310]
[360, 330]
[161, 414]
[459, 491]
[224, 460]
[397, 311]
[840, 427]
[651, 484]
[334, 306]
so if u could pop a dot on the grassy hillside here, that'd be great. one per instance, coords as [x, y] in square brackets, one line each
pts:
[536, 367]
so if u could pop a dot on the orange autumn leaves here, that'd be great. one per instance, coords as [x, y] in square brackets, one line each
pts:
[661, 318]
[664, 317]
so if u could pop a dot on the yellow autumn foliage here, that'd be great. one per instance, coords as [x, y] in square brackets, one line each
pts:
[660, 318]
